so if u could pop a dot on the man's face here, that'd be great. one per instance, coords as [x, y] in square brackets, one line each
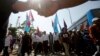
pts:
[64, 30]
[94, 22]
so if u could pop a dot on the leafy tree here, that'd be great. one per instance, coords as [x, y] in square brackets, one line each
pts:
[13, 30]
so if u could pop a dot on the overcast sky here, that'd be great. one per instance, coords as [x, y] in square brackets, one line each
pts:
[45, 23]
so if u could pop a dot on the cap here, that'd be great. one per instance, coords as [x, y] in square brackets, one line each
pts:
[94, 19]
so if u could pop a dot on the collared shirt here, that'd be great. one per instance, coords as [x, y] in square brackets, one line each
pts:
[38, 38]
[45, 37]
[33, 38]
[8, 40]
[56, 37]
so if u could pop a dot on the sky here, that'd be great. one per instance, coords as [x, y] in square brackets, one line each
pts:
[45, 23]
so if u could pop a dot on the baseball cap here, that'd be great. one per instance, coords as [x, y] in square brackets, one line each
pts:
[94, 19]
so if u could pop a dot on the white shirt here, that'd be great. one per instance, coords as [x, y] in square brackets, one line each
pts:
[33, 38]
[45, 37]
[8, 40]
[38, 38]
[55, 37]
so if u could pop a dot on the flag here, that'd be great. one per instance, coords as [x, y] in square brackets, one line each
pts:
[55, 24]
[65, 25]
[31, 16]
[38, 32]
[27, 26]
[90, 17]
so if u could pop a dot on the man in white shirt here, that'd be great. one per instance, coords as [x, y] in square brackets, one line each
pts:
[7, 44]
[33, 39]
[37, 44]
[65, 39]
[45, 42]
[34, 42]
[19, 43]
[51, 41]
[55, 35]
[56, 42]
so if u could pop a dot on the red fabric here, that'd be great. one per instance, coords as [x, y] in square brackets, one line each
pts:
[38, 32]
[94, 33]
[28, 23]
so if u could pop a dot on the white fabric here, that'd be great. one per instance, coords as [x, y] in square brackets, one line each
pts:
[38, 38]
[33, 38]
[8, 40]
[94, 19]
[41, 39]
[66, 47]
[45, 37]
[55, 37]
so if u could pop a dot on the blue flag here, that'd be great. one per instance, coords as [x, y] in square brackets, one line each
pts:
[90, 17]
[55, 24]
[27, 25]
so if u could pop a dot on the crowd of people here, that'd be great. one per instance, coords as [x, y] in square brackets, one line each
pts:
[46, 8]
[85, 42]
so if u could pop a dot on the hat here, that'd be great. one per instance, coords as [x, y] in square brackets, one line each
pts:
[94, 19]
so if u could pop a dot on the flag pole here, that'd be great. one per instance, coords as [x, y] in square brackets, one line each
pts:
[32, 24]
[32, 19]
[70, 16]
[17, 21]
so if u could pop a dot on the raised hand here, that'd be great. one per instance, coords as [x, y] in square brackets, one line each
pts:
[49, 7]
[45, 7]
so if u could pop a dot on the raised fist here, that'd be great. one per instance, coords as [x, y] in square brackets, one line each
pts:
[48, 9]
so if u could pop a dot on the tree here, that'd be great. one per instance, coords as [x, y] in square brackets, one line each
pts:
[13, 30]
